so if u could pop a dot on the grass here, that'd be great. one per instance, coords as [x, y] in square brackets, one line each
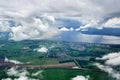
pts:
[13, 47]
[98, 49]
[51, 61]
[68, 74]
[35, 59]
[32, 59]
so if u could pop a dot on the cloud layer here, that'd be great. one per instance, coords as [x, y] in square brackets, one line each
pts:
[28, 22]
[42, 49]
[93, 8]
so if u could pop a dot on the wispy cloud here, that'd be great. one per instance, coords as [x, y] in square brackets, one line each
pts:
[12, 61]
[66, 29]
[41, 49]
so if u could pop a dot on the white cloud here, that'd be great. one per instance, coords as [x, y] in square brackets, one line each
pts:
[24, 78]
[35, 28]
[112, 23]
[97, 24]
[71, 29]
[111, 59]
[42, 49]
[63, 8]
[89, 22]
[7, 79]
[80, 78]
[14, 72]
[37, 73]
[12, 61]
[60, 8]
[93, 23]
[110, 70]
[110, 56]
[114, 61]
[66, 29]
[21, 74]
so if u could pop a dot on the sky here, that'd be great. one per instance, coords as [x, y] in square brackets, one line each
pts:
[42, 19]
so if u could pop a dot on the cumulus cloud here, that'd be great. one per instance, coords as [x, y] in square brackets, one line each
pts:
[12, 61]
[111, 60]
[89, 24]
[114, 61]
[41, 27]
[80, 78]
[21, 74]
[36, 28]
[14, 72]
[42, 49]
[23, 14]
[112, 23]
[97, 24]
[110, 70]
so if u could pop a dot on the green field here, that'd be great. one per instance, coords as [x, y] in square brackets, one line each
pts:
[51, 61]
[65, 74]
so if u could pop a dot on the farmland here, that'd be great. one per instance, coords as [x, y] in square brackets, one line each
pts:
[60, 59]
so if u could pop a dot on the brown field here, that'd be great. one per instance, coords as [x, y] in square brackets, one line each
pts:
[61, 65]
